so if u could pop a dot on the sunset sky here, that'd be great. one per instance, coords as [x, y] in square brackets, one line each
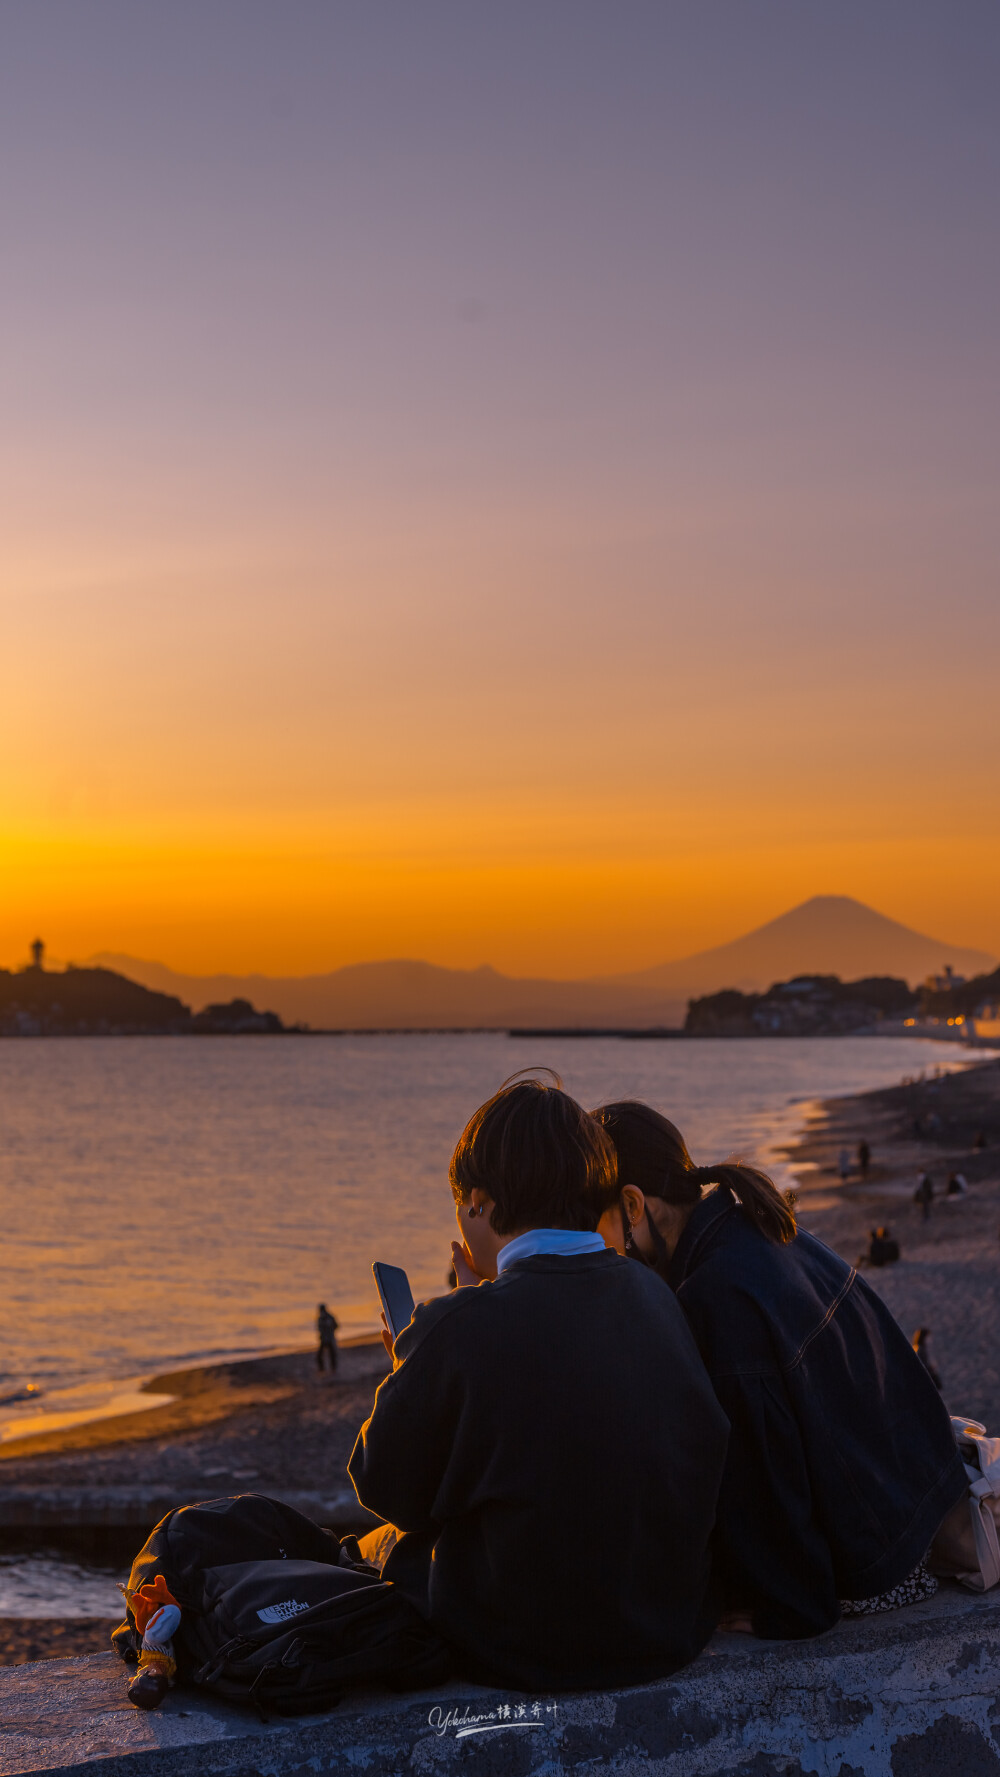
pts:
[510, 484]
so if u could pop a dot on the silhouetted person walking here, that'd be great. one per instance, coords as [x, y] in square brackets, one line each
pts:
[864, 1158]
[924, 1195]
[920, 1341]
[326, 1327]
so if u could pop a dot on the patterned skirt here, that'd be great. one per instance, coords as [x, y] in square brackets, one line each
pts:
[918, 1585]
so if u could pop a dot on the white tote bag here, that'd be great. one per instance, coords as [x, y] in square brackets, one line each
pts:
[967, 1546]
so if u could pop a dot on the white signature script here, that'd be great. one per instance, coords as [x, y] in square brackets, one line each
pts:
[462, 1722]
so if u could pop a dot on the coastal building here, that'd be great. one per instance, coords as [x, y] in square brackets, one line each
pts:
[809, 1005]
[945, 982]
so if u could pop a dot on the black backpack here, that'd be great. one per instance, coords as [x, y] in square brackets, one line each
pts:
[278, 1612]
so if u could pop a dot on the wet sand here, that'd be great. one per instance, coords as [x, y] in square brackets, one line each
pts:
[271, 1422]
[39, 1638]
[275, 1424]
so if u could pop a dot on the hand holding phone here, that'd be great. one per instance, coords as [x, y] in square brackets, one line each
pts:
[393, 1287]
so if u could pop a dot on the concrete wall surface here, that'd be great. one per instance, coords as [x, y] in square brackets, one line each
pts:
[139, 1508]
[911, 1694]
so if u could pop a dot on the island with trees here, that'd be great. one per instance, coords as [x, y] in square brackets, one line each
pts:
[71, 1002]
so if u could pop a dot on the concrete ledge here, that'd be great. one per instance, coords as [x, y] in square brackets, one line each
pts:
[913, 1694]
[137, 1509]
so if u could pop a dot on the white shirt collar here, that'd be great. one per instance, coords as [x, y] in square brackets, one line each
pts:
[565, 1242]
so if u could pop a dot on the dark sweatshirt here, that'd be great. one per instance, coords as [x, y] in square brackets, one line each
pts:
[557, 1510]
[841, 1461]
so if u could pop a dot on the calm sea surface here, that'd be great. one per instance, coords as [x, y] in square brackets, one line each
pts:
[169, 1200]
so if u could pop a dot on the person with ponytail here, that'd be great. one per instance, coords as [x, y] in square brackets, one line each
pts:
[841, 1463]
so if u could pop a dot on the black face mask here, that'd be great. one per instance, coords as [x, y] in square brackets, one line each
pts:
[661, 1259]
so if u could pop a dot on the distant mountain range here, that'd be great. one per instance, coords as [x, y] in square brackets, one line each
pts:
[416, 996]
[830, 935]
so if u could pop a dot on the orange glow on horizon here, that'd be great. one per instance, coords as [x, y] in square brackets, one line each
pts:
[280, 907]
[286, 787]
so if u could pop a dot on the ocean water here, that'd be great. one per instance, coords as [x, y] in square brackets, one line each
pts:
[49, 1583]
[166, 1201]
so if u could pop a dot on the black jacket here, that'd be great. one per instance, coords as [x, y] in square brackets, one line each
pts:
[557, 1513]
[841, 1461]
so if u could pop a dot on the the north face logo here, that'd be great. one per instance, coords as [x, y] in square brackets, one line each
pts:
[280, 1613]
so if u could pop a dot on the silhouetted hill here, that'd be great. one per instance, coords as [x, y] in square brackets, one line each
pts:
[829, 935]
[813, 1006]
[41, 1002]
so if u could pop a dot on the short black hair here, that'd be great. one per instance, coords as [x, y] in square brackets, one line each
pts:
[542, 1158]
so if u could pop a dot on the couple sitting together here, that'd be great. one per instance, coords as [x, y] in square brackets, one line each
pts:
[650, 1407]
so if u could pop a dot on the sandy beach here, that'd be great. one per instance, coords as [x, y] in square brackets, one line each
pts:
[274, 1424]
[948, 1275]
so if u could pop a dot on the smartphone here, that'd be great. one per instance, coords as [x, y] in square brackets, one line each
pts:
[393, 1286]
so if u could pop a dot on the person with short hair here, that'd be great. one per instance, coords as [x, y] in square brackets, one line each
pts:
[326, 1329]
[549, 1525]
[841, 1461]
[924, 1195]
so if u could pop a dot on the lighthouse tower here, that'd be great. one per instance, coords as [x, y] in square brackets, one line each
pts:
[37, 954]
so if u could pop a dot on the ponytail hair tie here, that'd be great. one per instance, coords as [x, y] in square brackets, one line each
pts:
[756, 1194]
[682, 1184]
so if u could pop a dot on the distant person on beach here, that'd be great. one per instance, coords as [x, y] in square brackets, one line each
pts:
[882, 1250]
[924, 1195]
[921, 1341]
[844, 1165]
[824, 1506]
[958, 1184]
[326, 1328]
[980, 1142]
[553, 1527]
[864, 1158]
